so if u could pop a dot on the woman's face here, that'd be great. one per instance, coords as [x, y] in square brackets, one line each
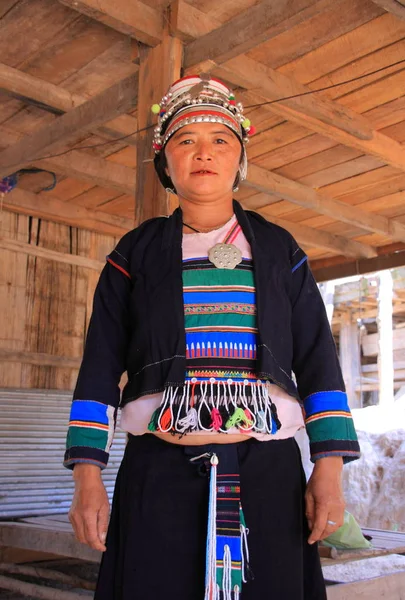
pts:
[203, 160]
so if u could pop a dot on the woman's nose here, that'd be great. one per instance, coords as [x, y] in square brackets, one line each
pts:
[204, 152]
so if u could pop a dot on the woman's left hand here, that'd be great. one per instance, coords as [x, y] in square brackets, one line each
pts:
[324, 499]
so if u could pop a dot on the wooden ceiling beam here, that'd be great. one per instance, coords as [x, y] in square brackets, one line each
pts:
[396, 7]
[28, 88]
[269, 182]
[101, 108]
[187, 22]
[57, 100]
[134, 18]
[91, 168]
[316, 238]
[44, 206]
[272, 89]
[247, 30]
[50, 208]
[82, 166]
[324, 272]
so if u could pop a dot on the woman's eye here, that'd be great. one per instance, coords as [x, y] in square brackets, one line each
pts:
[186, 142]
[220, 141]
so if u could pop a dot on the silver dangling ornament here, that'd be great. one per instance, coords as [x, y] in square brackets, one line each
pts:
[225, 256]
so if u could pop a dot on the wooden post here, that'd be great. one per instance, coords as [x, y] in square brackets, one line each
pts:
[159, 67]
[385, 339]
[350, 358]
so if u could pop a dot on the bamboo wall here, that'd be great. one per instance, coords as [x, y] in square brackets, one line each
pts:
[45, 305]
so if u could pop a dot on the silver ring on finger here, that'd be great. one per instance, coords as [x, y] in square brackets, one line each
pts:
[331, 522]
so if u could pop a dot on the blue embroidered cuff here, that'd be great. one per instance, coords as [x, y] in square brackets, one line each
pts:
[330, 426]
[90, 434]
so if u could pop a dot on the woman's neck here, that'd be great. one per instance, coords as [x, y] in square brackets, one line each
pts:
[203, 216]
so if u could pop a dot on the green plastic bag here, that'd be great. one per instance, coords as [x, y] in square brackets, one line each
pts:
[349, 535]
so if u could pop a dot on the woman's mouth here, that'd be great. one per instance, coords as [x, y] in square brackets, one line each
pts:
[203, 172]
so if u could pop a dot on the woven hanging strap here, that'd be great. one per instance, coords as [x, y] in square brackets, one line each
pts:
[227, 550]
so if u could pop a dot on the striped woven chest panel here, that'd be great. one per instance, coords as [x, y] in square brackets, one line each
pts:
[220, 319]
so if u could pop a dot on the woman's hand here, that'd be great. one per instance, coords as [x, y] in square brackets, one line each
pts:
[90, 506]
[324, 498]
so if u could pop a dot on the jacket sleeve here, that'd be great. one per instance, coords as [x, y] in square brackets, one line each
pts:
[316, 366]
[96, 396]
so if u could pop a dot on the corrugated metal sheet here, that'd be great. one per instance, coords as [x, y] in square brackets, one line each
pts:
[33, 426]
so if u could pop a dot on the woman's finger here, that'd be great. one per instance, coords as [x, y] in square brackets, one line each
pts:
[102, 523]
[77, 524]
[310, 509]
[91, 532]
[321, 516]
[333, 523]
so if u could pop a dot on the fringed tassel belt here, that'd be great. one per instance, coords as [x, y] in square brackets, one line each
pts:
[216, 406]
[227, 555]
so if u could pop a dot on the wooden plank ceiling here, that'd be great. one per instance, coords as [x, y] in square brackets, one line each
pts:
[328, 165]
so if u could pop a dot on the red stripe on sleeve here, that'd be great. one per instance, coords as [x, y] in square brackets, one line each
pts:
[119, 268]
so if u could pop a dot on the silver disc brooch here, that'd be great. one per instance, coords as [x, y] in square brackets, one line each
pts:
[225, 256]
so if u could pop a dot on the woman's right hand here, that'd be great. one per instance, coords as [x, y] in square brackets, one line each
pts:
[90, 506]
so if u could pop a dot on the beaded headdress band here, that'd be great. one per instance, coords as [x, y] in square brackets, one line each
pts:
[200, 99]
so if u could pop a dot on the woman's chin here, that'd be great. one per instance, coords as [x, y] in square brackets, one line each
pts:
[206, 186]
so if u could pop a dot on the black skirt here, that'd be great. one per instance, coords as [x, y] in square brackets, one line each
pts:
[156, 540]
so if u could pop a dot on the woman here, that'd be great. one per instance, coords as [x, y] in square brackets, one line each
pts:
[210, 311]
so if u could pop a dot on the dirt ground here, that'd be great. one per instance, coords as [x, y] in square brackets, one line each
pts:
[82, 569]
